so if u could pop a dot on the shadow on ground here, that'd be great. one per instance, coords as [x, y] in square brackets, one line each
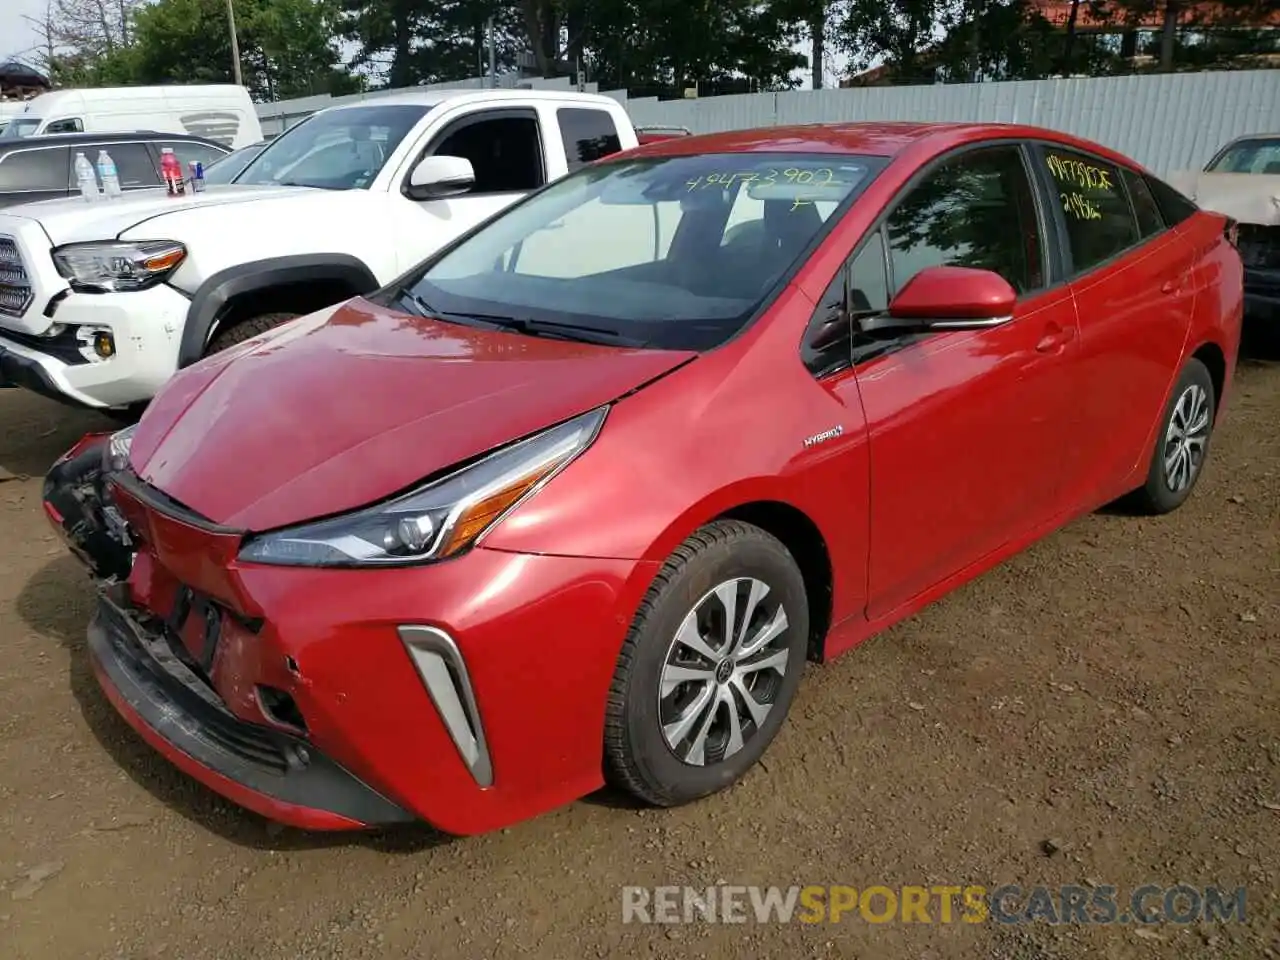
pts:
[56, 602]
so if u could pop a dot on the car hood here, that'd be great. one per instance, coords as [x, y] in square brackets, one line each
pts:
[72, 219]
[350, 405]
[1245, 197]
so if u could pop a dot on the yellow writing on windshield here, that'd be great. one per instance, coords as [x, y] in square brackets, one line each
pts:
[1077, 173]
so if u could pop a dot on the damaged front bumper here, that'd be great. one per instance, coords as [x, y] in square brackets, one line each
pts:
[1259, 247]
[77, 502]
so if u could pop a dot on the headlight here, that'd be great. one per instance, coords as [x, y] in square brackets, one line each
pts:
[438, 520]
[109, 265]
[115, 455]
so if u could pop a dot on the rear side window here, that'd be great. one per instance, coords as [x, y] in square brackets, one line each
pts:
[1174, 207]
[588, 135]
[134, 165]
[1144, 204]
[1100, 223]
[32, 170]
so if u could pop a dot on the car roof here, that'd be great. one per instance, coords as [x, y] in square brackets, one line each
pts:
[869, 138]
[431, 98]
[74, 139]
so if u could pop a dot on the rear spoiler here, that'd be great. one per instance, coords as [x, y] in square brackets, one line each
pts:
[653, 134]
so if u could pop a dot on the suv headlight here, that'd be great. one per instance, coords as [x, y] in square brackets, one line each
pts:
[109, 265]
[435, 521]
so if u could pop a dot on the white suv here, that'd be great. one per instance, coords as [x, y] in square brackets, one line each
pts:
[101, 303]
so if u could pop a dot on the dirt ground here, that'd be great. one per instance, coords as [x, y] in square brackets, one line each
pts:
[1115, 689]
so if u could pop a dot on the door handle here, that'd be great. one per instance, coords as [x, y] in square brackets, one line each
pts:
[1170, 286]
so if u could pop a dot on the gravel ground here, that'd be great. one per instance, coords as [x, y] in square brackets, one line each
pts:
[1115, 689]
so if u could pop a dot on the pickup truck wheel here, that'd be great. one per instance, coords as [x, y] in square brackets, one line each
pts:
[249, 327]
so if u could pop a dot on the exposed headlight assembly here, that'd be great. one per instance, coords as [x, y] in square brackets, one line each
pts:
[438, 520]
[115, 454]
[109, 266]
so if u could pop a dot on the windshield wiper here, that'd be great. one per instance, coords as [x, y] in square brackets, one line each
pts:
[549, 328]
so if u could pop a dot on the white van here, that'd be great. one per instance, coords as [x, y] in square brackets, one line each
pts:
[219, 112]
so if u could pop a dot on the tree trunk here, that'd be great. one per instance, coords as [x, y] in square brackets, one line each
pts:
[1168, 34]
[817, 34]
[1064, 68]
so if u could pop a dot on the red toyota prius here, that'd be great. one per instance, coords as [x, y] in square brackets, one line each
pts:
[575, 500]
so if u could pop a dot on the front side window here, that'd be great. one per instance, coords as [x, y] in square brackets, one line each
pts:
[674, 252]
[505, 152]
[35, 170]
[975, 210]
[69, 125]
[1100, 223]
[342, 149]
[1256, 155]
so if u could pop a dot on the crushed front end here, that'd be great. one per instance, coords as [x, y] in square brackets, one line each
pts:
[1259, 246]
[153, 641]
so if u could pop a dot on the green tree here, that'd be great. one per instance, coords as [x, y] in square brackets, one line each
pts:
[286, 48]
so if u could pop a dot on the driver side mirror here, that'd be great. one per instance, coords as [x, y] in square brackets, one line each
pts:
[437, 177]
[948, 298]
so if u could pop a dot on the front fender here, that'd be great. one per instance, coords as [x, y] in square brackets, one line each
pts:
[212, 296]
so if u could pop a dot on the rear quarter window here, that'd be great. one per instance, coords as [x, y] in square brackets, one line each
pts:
[1174, 207]
[1100, 223]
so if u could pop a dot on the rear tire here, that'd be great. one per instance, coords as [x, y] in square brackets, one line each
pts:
[250, 327]
[1182, 444]
[678, 724]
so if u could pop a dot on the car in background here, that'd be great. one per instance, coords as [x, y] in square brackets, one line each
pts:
[225, 169]
[43, 168]
[1243, 182]
[546, 511]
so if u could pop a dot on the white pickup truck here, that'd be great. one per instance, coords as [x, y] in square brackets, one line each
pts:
[102, 302]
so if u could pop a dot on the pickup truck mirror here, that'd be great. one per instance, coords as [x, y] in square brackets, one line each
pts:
[441, 176]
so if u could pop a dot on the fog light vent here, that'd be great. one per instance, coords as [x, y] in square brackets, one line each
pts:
[443, 673]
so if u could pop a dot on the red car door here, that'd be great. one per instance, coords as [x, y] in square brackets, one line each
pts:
[965, 428]
[1134, 299]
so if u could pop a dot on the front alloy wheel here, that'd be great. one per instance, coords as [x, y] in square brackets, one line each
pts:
[709, 667]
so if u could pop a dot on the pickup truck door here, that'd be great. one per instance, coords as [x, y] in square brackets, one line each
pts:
[511, 154]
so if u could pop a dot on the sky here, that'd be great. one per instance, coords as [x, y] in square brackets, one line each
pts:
[17, 38]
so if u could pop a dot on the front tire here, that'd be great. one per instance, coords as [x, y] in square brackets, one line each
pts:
[1182, 444]
[709, 667]
[249, 327]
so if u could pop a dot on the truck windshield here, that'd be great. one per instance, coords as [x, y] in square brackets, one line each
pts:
[21, 128]
[338, 150]
[692, 246]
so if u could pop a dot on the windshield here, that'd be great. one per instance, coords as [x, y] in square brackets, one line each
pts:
[1249, 156]
[338, 150]
[224, 169]
[21, 128]
[671, 252]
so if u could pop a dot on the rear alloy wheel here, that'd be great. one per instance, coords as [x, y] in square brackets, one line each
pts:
[709, 668]
[1182, 443]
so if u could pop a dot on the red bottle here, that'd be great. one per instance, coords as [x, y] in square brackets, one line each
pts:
[171, 172]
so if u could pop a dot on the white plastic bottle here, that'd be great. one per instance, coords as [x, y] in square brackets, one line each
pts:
[85, 178]
[107, 174]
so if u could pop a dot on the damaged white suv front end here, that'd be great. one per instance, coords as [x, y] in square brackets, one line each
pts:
[1243, 182]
